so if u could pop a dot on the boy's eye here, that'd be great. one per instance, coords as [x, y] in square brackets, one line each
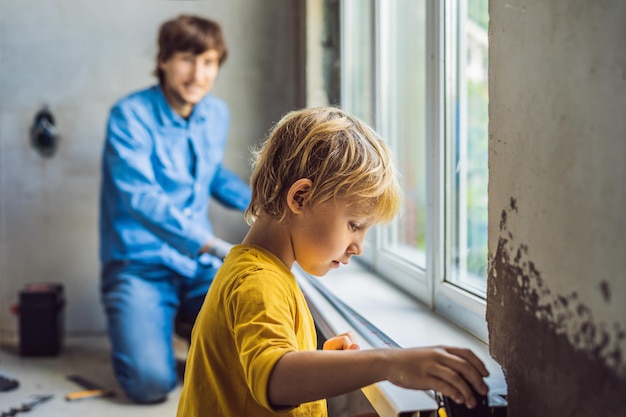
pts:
[354, 227]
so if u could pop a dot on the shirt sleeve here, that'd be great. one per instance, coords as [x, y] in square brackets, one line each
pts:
[230, 190]
[127, 157]
[263, 315]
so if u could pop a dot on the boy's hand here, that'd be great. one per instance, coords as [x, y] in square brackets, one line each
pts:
[442, 368]
[343, 341]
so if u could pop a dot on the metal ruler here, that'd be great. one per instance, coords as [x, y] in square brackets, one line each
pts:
[376, 337]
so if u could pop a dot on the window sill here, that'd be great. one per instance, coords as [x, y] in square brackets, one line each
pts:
[401, 318]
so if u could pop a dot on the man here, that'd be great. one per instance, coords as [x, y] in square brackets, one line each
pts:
[161, 164]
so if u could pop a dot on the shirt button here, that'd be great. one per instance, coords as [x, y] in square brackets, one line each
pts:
[187, 212]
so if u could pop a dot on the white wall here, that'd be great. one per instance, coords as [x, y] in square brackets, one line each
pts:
[78, 57]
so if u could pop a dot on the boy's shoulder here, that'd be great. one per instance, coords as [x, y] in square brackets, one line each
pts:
[246, 261]
[244, 253]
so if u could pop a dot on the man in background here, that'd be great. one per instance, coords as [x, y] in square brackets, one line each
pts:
[162, 163]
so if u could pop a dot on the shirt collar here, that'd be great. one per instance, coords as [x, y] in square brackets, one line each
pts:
[169, 117]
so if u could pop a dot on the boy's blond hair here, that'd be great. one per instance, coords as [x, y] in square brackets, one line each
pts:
[341, 155]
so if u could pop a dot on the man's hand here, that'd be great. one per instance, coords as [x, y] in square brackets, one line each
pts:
[217, 247]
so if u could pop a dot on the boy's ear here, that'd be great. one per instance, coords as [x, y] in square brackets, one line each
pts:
[298, 194]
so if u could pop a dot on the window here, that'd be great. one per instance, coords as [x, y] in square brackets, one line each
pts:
[417, 71]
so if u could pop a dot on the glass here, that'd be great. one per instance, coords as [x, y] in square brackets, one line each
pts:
[358, 72]
[403, 118]
[468, 144]
[358, 59]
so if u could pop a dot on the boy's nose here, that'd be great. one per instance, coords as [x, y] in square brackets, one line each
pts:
[356, 248]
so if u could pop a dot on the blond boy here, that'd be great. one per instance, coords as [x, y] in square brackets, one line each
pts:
[320, 181]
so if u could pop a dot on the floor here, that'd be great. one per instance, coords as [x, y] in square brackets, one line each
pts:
[87, 356]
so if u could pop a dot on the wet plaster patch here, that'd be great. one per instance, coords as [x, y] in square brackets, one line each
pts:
[557, 359]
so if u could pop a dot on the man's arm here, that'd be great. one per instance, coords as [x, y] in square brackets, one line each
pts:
[217, 247]
[127, 157]
[230, 190]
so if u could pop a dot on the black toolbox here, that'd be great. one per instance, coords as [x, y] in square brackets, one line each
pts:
[41, 319]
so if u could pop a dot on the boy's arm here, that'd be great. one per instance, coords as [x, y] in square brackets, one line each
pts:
[300, 377]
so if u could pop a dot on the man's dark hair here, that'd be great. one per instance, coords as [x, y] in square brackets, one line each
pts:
[188, 33]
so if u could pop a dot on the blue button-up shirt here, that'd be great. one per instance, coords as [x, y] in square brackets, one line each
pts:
[158, 173]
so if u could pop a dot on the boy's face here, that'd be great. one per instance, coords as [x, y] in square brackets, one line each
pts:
[188, 78]
[328, 235]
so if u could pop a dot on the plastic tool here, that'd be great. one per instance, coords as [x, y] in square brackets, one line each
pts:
[92, 390]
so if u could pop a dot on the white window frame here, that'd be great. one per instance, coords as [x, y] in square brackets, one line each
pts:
[426, 285]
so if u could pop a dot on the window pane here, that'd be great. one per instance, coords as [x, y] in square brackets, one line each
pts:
[468, 145]
[358, 59]
[403, 118]
[358, 69]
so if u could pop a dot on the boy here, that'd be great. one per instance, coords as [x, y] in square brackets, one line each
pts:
[320, 181]
[161, 165]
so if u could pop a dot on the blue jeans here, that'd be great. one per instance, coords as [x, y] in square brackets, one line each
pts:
[141, 302]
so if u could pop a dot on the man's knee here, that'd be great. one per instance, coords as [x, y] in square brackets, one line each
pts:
[147, 384]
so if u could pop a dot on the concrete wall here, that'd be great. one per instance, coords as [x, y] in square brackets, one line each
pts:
[557, 198]
[78, 57]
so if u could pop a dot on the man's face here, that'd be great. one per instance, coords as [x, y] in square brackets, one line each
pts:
[188, 78]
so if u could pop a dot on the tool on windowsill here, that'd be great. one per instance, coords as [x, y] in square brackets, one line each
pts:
[491, 405]
[92, 390]
[30, 403]
[448, 408]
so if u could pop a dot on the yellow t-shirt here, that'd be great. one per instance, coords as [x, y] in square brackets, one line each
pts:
[253, 314]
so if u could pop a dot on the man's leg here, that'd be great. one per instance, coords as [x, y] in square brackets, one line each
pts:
[140, 303]
[192, 294]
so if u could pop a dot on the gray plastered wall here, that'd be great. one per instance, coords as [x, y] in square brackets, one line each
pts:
[557, 198]
[78, 57]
